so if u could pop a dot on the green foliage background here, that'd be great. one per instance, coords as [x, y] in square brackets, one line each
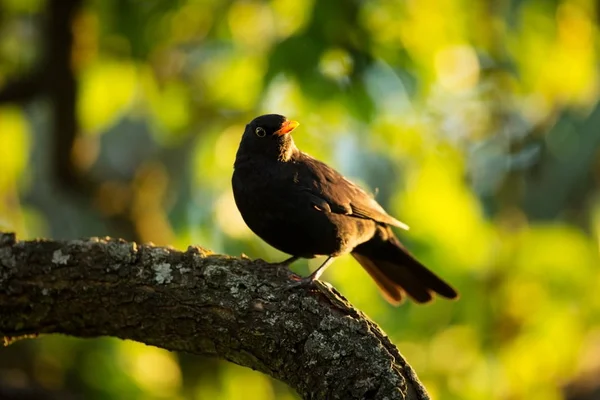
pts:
[476, 123]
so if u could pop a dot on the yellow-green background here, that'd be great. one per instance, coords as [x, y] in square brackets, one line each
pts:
[475, 122]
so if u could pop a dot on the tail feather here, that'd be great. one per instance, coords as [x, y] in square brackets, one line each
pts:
[418, 290]
[397, 272]
[392, 292]
[421, 272]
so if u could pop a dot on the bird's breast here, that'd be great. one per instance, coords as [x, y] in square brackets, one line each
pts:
[275, 205]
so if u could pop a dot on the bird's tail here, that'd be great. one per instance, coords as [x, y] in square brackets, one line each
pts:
[398, 273]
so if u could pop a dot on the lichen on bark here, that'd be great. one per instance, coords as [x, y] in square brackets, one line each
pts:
[240, 310]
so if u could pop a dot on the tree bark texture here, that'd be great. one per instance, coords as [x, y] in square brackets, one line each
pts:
[194, 301]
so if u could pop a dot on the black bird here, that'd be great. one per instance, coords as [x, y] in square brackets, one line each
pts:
[302, 207]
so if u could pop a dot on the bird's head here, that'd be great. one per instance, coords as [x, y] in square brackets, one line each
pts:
[269, 136]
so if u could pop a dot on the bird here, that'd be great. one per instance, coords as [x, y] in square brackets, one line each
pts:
[302, 207]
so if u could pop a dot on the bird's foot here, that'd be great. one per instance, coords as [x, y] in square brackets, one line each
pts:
[310, 279]
[300, 281]
[307, 281]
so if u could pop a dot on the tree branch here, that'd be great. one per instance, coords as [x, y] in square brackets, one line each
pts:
[21, 90]
[194, 301]
[62, 87]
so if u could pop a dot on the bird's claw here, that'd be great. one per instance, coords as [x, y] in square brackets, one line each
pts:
[298, 282]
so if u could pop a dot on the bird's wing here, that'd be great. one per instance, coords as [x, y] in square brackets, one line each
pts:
[334, 193]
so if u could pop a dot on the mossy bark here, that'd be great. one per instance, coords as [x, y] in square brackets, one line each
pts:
[201, 303]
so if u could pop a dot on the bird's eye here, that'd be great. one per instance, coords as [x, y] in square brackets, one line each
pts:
[260, 132]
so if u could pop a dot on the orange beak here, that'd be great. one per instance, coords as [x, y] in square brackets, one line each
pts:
[287, 127]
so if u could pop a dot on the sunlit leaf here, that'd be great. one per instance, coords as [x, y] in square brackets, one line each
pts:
[169, 104]
[107, 91]
[442, 211]
[14, 148]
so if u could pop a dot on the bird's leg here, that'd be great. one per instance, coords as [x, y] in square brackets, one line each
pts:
[290, 260]
[284, 263]
[319, 271]
[315, 275]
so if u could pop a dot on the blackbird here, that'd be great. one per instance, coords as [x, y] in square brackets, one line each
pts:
[303, 207]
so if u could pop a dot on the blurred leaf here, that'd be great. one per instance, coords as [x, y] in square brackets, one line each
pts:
[107, 90]
[476, 123]
[22, 5]
[14, 148]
